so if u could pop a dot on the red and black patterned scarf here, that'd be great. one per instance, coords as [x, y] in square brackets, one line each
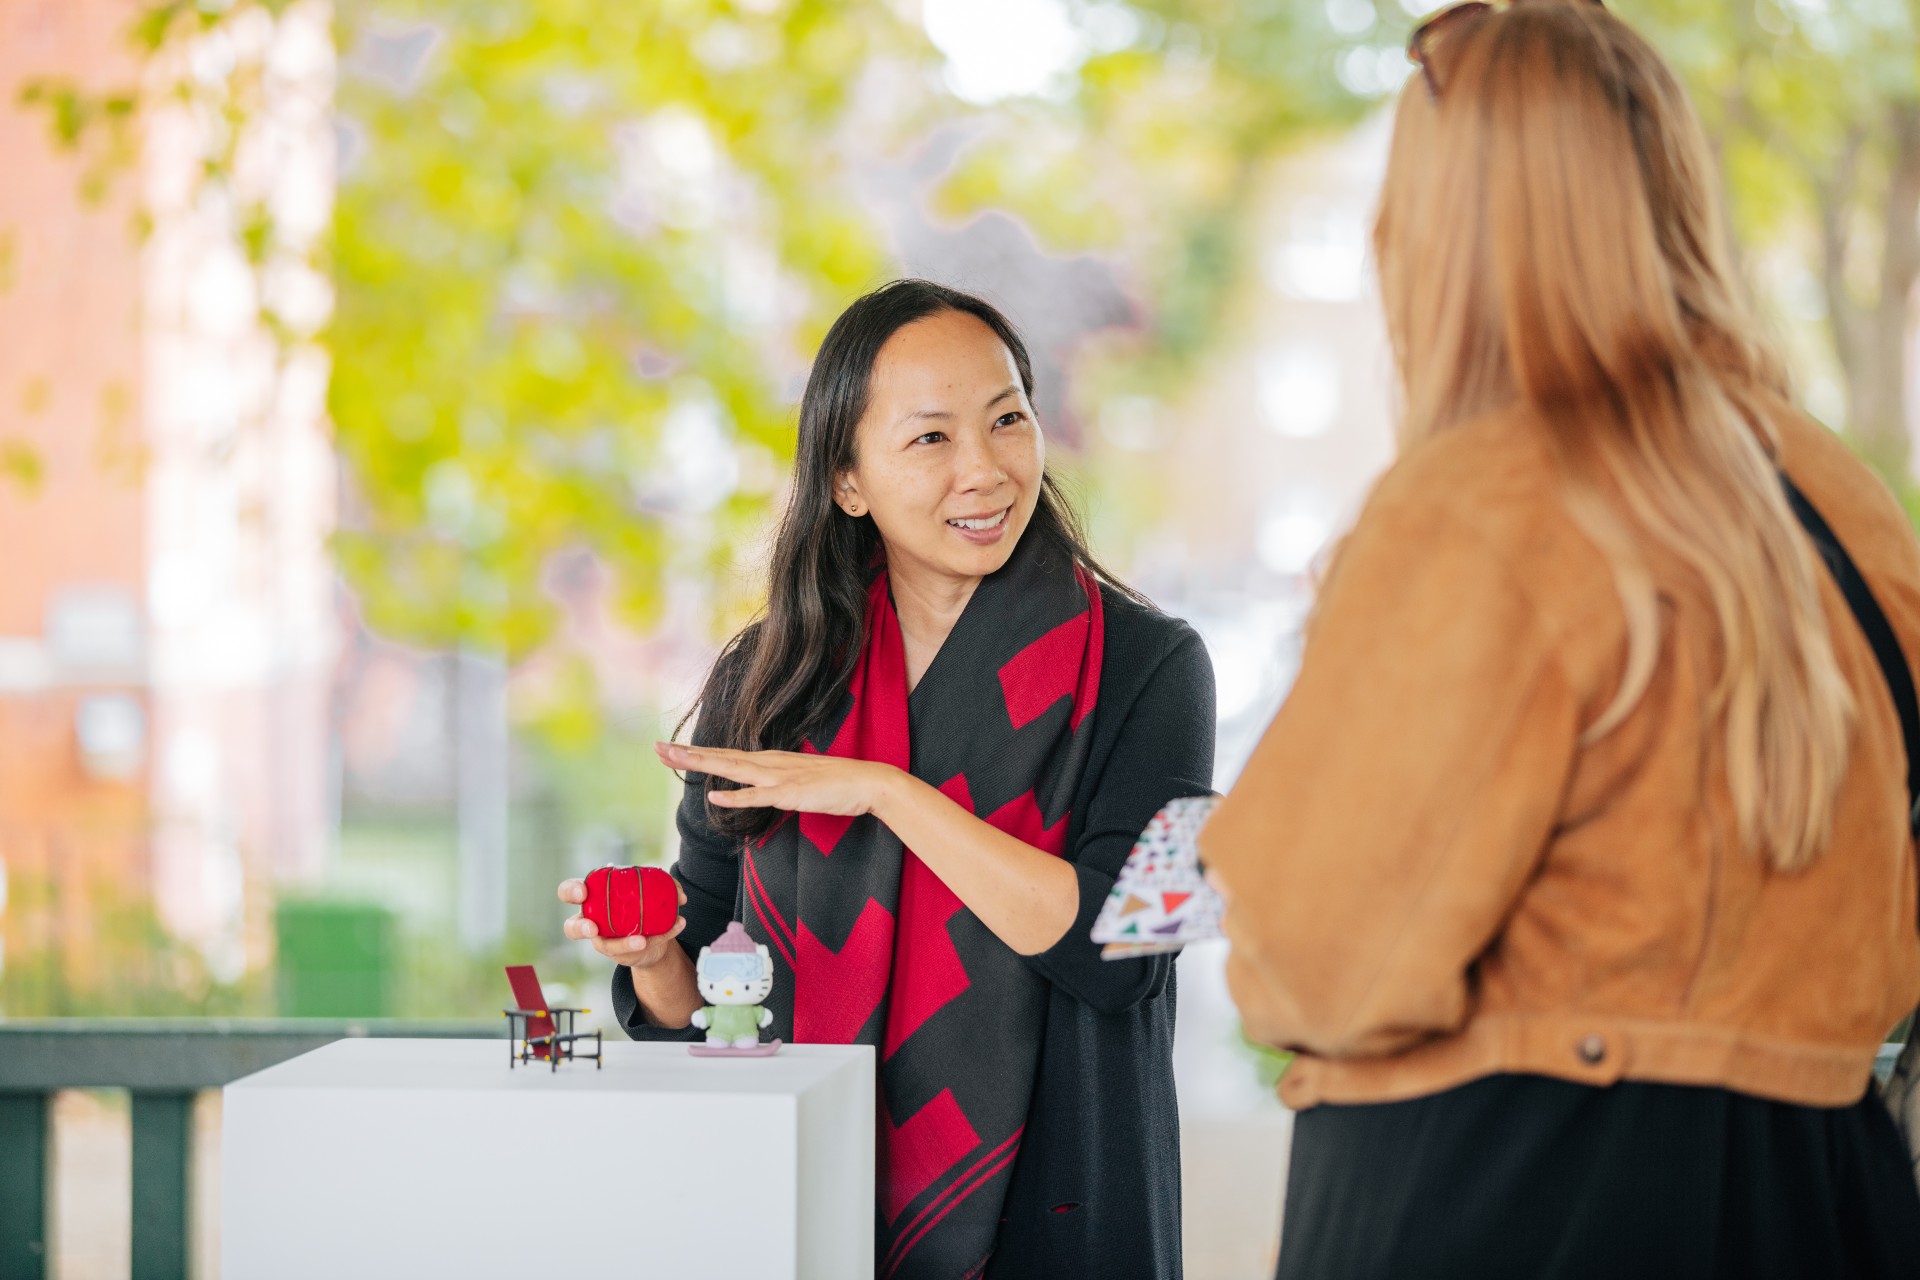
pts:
[876, 950]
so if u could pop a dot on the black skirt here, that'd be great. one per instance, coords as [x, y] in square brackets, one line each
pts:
[1529, 1177]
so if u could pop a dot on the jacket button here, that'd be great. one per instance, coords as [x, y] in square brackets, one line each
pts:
[1592, 1050]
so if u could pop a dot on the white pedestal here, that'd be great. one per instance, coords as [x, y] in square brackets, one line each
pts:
[429, 1158]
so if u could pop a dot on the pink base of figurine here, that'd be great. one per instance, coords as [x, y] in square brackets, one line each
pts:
[704, 1050]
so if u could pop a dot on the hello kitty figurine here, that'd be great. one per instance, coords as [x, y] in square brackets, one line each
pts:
[735, 975]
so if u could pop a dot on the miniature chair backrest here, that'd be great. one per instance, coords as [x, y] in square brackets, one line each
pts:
[527, 995]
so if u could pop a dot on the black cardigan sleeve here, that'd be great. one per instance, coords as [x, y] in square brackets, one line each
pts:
[709, 870]
[1164, 751]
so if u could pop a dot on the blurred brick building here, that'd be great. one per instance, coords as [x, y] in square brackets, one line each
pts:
[166, 606]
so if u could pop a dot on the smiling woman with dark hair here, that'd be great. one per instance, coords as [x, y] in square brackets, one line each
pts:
[915, 780]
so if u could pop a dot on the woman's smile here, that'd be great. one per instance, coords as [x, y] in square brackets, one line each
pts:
[982, 530]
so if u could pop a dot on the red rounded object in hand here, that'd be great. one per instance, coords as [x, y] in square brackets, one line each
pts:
[623, 901]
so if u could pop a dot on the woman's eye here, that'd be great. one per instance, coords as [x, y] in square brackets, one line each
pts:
[932, 437]
[1008, 419]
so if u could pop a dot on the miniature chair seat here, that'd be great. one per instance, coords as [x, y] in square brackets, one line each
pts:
[532, 1031]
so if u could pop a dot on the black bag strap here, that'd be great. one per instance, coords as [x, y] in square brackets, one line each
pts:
[1873, 621]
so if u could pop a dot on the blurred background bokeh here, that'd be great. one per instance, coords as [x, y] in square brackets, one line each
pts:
[393, 395]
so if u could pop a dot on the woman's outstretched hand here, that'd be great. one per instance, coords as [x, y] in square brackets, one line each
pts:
[789, 779]
[637, 952]
[1026, 896]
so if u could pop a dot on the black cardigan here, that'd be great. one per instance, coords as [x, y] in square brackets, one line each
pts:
[1096, 1186]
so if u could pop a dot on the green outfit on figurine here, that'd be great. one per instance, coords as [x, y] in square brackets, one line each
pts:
[733, 1023]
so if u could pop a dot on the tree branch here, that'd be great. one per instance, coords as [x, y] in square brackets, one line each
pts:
[1900, 264]
[1834, 192]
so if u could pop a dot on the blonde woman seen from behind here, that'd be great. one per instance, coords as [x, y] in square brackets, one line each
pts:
[1577, 866]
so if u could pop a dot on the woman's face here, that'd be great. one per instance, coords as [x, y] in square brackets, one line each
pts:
[948, 456]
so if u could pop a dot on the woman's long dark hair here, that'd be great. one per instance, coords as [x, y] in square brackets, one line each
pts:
[781, 678]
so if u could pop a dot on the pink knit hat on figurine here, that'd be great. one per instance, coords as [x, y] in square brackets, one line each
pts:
[734, 939]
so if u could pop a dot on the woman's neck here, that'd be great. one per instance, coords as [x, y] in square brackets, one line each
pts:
[927, 605]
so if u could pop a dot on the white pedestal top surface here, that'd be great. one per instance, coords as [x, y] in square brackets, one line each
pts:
[439, 1065]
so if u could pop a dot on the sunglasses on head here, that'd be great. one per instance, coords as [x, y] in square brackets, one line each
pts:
[1426, 36]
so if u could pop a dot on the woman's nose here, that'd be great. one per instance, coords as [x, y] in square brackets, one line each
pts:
[979, 466]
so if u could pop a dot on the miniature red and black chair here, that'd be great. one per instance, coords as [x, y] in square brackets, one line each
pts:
[531, 1029]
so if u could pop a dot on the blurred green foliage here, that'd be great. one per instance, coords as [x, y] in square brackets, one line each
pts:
[1814, 110]
[566, 223]
[564, 226]
[121, 962]
[20, 466]
[1154, 156]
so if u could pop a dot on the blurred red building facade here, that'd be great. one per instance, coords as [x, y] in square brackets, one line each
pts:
[72, 531]
[166, 604]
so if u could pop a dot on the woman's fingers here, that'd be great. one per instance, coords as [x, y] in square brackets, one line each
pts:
[735, 766]
[679, 752]
[638, 950]
[622, 950]
[584, 930]
[696, 759]
[740, 769]
[750, 798]
[574, 891]
[658, 949]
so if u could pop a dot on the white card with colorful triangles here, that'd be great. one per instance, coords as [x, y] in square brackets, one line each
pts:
[1162, 901]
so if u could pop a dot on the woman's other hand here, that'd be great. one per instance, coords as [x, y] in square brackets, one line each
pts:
[788, 779]
[637, 952]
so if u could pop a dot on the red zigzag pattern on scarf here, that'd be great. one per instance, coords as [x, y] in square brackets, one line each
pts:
[835, 992]
[825, 829]
[1050, 669]
[927, 972]
[935, 1139]
[890, 739]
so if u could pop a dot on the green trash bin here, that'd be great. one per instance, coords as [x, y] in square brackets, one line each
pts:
[336, 959]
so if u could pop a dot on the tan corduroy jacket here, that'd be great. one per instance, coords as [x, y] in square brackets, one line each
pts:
[1432, 880]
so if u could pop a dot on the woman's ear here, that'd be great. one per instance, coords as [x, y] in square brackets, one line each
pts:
[846, 495]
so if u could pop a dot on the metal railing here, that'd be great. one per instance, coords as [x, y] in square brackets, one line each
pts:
[163, 1063]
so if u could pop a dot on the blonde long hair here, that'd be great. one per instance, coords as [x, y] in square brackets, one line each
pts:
[1550, 241]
